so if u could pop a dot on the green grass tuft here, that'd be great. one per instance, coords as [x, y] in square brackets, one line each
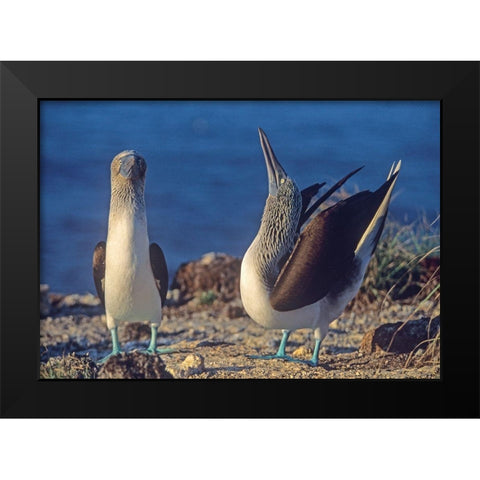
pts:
[208, 297]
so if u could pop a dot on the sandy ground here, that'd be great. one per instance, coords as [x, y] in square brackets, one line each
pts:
[216, 340]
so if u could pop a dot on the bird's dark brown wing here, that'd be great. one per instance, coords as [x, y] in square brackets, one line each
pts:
[309, 192]
[159, 269]
[307, 195]
[325, 251]
[306, 214]
[99, 270]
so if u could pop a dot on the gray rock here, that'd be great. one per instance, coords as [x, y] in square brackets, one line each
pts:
[302, 352]
[217, 274]
[400, 337]
[192, 365]
[56, 304]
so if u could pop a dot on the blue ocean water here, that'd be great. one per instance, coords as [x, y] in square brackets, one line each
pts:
[206, 180]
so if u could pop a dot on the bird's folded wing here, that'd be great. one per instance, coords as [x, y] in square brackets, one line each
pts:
[159, 269]
[306, 214]
[307, 195]
[325, 251]
[309, 192]
[99, 270]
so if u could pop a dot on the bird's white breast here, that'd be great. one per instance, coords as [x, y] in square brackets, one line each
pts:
[131, 294]
[256, 301]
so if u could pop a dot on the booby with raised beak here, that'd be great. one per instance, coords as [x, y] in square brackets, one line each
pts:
[305, 264]
[130, 274]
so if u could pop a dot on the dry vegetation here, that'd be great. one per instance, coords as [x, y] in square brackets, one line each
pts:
[406, 269]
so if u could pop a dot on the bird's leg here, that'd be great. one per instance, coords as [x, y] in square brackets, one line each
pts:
[283, 343]
[280, 352]
[152, 348]
[318, 340]
[115, 346]
[314, 360]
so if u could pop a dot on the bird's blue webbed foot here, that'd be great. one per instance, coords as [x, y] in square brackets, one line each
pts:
[157, 351]
[115, 347]
[152, 348]
[313, 362]
[113, 354]
[280, 355]
[287, 358]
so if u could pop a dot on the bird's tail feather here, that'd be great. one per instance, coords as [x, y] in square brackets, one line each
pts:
[394, 169]
[370, 238]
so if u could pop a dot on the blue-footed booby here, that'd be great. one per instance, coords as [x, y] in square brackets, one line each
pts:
[305, 265]
[130, 274]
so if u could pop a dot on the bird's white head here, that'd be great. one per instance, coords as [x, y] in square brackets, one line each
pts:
[284, 199]
[127, 171]
[128, 165]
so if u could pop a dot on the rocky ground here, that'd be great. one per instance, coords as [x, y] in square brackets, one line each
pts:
[212, 337]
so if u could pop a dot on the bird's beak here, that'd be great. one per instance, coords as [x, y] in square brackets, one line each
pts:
[130, 164]
[276, 173]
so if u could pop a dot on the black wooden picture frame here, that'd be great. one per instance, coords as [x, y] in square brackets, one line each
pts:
[23, 84]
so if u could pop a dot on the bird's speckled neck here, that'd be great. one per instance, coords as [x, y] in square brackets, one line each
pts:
[127, 197]
[278, 231]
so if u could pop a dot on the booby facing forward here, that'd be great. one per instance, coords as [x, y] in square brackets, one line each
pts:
[304, 266]
[130, 274]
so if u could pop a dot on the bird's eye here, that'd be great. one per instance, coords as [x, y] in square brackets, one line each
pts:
[282, 180]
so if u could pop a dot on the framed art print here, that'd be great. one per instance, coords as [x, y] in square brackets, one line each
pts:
[262, 237]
